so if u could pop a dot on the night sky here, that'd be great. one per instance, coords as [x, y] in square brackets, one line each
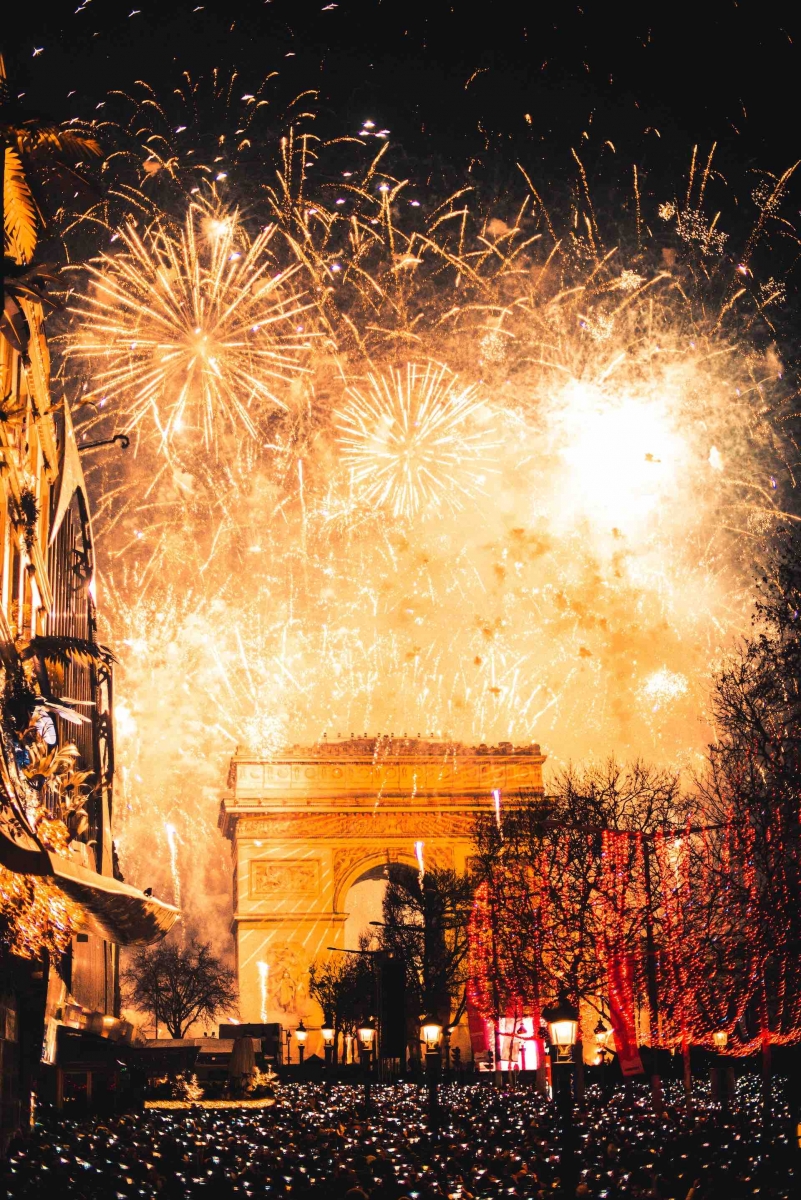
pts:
[455, 80]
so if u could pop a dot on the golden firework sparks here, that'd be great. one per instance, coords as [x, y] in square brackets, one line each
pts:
[415, 439]
[593, 521]
[195, 331]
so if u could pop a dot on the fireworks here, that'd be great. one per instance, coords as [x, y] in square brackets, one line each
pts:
[416, 442]
[264, 974]
[513, 552]
[192, 331]
[172, 842]
[214, 127]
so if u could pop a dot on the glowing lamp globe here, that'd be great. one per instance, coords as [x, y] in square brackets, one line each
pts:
[721, 1039]
[432, 1032]
[301, 1033]
[366, 1035]
[327, 1030]
[601, 1033]
[562, 1022]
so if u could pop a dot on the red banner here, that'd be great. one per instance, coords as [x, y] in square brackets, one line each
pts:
[620, 974]
[478, 1029]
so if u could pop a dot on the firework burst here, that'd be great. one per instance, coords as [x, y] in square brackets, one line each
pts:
[195, 331]
[594, 522]
[415, 440]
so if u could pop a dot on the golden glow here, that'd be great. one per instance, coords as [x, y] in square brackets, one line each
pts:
[432, 1032]
[415, 440]
[190, 333]
[494, 486]
[622, 453]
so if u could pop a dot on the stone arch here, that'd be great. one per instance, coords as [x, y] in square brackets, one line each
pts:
[358, 865]
[307, 823]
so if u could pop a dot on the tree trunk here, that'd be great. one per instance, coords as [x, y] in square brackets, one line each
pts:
[653, 991]
[687, 1070]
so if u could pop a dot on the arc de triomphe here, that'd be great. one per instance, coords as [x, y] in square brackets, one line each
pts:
[307, 824]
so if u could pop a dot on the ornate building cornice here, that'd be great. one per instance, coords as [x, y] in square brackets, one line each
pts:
[372, 775]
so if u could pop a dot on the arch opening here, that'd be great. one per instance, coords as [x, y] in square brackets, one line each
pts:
[364, 899]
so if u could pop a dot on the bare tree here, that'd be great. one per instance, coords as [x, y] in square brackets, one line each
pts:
[426, 927]
[551, 887]
[344, 987]
[752, 789]
[179, 985]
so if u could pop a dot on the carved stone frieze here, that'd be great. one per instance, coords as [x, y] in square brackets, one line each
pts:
[344, 859]
[284, 877]
[377, 826]
[410, 777]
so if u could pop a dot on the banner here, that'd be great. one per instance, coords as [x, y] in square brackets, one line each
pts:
[620, 973]
[478, 1030]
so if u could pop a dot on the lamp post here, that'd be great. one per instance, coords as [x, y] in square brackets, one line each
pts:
[521, 1037]
[562, 1020]
[720, 1081]
[366, 1033]
[601, 1033]
[329, 1033]
[542, 1070]
[432, 1033]
[301, 1033]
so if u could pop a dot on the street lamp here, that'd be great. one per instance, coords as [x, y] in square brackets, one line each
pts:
[431, 1030]
[601, 1033]
[722, 1083]
[562, 1020]
[366, 1034]
[301, 1033]
[329, 1033]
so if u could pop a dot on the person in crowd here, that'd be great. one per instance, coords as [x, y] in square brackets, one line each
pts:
[316, 1142]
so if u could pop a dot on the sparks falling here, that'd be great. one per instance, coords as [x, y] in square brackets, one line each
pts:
[264, 974]
[415, 441]
[172, 842]
[509, 480]
[421, 862]
[191, 333]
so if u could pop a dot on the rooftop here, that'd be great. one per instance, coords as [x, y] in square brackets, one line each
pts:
[388, 746]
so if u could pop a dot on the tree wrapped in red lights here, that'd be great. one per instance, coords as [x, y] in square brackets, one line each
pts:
[567, 881]
[630, 895]
[635, 899]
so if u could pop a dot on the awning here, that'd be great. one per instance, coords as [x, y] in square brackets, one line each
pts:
[113, 909]
[118, 912]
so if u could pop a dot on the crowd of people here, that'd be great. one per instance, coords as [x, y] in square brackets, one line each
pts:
[319, 1141]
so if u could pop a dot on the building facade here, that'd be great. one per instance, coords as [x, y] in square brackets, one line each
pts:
[307, 825]
[60, 885]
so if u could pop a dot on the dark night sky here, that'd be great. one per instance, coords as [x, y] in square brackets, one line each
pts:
[717, 69]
